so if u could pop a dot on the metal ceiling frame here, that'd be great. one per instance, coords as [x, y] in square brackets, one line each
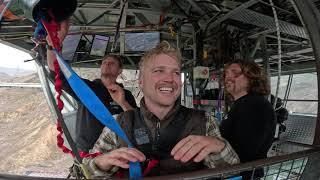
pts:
[149, 13]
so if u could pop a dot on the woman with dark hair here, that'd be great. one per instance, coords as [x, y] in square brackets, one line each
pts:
[250, 124]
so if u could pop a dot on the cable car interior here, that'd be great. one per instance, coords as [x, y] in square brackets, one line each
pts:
[282, 36]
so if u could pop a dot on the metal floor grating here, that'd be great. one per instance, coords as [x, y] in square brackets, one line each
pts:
[300, 129]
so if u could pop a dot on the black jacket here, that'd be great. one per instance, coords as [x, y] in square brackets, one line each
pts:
[250, 127]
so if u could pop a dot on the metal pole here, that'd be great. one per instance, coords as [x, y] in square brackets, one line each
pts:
[311, 19]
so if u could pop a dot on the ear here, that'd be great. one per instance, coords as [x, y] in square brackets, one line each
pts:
[140, 82]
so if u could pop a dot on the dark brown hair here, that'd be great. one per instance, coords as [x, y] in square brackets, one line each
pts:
[258, 80]
[116, 57]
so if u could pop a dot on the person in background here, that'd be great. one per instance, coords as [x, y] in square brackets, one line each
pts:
[88, 128]
[166, 135]
[250, 123]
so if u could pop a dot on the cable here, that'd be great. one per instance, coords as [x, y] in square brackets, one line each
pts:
[118, 27]
[286, 96]
[279, 50]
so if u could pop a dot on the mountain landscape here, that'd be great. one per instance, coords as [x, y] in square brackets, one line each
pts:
[27, 134]
[14, 72]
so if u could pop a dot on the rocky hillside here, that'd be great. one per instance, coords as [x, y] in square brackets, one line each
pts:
[27, 134]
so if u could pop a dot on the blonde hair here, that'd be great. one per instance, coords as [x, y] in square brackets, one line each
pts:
[163, 47]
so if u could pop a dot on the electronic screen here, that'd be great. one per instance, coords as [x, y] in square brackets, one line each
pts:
[70, 45]
[99, 45]
[140, 42]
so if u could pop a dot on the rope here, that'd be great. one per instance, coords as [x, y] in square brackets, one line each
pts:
[52, 30]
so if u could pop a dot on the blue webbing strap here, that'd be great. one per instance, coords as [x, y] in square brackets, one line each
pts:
[96, 107]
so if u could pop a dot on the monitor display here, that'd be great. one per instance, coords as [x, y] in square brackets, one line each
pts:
[99, 45]
[140, 42]
[70, 45]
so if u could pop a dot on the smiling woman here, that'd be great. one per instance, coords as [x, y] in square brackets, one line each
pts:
[14, 59]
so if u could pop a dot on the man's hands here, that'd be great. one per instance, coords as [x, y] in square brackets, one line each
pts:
[196, 147]
[119, 157]
[118, 95]
[192, 147]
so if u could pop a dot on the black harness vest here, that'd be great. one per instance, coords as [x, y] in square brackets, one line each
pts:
[164, 140]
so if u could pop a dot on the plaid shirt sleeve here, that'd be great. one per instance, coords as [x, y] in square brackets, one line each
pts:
[105, 143]
[227, 154]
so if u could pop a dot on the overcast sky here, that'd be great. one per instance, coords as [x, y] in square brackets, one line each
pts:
[13, 58]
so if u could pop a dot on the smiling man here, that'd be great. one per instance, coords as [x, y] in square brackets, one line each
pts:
[168, 137]
[251, 123]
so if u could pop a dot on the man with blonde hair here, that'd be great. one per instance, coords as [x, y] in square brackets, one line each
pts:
[166, 134]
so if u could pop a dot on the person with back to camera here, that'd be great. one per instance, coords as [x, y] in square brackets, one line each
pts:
[166, 134]
[250, 123]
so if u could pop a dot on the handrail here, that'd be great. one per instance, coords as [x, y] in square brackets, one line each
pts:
[229, 169]
[209, 172]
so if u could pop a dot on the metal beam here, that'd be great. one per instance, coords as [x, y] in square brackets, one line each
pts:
[234, 12]
[295, 68]
[132, 11]
[276, 7]
[19, 44]
[285, 39]
[256, 47]
[103, 29]
[97, 17]
[265, 55]
[21, 85]
[142, 18]
[123, 25]
[261, 33]
[83, 17]
[130, 61]
[203, 14]
[251, 17]
[76, 18]
[91, 1]
[101, 15]
[292, 53]
[197, 7]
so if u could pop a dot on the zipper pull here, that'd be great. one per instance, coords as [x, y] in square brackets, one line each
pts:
[158, 131]
[157, 137]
